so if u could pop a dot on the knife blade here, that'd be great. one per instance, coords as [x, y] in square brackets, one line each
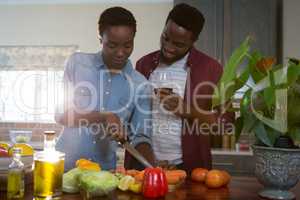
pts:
[137, 155]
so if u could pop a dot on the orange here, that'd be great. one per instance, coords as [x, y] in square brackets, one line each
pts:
[227, 177]
[199, 174]
[215, 179]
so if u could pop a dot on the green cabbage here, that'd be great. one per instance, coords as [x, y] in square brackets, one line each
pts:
[70, 180]
[98, 183]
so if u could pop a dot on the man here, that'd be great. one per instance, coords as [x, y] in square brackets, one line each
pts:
[105, 97]
[182, 124]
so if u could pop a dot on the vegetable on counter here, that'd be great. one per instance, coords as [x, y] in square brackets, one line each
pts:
[87, 165]
[199, 174]
[212, 178]
[126, 182]
[140, 176]
[152, 182]
[136, 187]
[70, 180]
[175, 176]
[155, 183]
[132, 172]
[97, 184]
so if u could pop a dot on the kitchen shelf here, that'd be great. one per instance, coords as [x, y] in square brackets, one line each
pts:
[235, 162]
[231, 152]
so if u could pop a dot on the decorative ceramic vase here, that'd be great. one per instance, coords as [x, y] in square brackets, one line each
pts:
[278, 169]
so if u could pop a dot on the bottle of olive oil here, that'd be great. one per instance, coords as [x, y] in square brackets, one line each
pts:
[15, 180]
[48, 169]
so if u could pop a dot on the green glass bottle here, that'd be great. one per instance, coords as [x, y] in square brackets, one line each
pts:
[15, 179]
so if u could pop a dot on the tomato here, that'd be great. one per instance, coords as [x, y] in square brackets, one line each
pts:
[227, 177]
[215, 179]
[199, 174]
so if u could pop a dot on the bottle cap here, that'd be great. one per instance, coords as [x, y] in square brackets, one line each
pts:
[50, 135]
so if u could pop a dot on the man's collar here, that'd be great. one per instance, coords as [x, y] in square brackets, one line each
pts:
[189, 62]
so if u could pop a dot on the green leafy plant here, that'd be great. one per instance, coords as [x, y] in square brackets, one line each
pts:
[270, 107]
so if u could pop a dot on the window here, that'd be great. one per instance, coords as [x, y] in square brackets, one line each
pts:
[31, 82]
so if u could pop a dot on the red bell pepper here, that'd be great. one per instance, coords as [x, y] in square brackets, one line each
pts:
[155, 183]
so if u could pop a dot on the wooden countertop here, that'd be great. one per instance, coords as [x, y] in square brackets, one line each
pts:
[240, 188]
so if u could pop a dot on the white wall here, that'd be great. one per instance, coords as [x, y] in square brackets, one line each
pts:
[77, 24]
[291, 28]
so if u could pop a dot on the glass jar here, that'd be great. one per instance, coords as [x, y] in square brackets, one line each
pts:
[15, 179]
[48, 169]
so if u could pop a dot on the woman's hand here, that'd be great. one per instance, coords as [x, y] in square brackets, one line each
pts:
[115, 128]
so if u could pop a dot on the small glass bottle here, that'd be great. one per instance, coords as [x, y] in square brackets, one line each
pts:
[48, 169]
[16, 173]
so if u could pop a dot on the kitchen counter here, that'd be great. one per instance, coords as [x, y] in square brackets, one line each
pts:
[240, 188]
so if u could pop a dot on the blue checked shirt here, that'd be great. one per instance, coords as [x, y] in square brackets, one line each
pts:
[89, 86]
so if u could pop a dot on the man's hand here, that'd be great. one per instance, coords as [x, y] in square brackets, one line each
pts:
[174, 103]
[171, 102]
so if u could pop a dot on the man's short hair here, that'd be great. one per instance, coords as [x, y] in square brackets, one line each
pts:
[187, 17]
[116, 16]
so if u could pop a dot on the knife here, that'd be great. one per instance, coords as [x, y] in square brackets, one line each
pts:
[137, 155]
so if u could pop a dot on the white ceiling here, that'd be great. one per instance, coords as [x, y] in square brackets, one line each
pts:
[25, 2]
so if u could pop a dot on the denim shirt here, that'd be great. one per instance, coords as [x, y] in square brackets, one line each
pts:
[89, 86]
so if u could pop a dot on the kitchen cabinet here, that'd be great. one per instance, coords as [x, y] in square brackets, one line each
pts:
[238, 163]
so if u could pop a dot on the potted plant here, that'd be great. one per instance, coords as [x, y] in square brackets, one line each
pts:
[269, 109]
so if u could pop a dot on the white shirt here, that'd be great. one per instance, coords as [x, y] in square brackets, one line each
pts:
[167, 127]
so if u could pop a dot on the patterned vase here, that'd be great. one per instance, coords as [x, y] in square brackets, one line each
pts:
[278, 169]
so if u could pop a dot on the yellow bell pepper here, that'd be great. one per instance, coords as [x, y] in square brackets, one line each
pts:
[87, 165]
[136, 187]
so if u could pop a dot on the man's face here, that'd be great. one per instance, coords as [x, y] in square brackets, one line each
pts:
[175, 42]
[118, 44]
